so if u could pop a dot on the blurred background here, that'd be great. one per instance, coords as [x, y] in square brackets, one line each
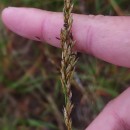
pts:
[31, 97]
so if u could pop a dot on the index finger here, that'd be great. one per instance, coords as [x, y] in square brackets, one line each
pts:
[106, 37]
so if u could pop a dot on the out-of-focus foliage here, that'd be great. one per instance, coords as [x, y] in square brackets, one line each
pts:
[29, 74]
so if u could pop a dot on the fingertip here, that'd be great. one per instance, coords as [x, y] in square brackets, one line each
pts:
[7, 16]
[18, 20]
[3, 14]
[6, 12]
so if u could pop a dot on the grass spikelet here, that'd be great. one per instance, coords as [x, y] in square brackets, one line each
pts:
[69, 59]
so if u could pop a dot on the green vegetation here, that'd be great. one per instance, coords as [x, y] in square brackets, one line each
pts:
[29, 75]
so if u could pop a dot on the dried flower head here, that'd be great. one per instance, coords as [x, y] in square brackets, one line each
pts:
[69, 59]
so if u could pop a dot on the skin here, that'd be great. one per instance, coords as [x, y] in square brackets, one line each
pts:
[106, 37]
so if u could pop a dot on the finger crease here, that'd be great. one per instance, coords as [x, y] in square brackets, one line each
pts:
[43, 27]
[89, 40]
[120, 121]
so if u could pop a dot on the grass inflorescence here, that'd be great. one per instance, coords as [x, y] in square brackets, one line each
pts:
[29, 70]
[69, 59]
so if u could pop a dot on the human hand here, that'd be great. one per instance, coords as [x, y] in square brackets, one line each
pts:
[105, 37]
